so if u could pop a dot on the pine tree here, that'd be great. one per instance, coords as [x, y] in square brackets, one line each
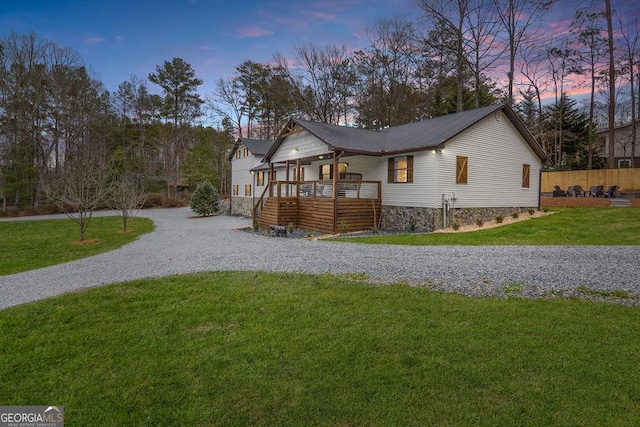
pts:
[204, 200]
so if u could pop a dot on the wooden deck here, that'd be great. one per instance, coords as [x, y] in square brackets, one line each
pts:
[312, 206]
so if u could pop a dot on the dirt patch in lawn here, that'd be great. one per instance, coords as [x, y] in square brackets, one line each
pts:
[85, 242]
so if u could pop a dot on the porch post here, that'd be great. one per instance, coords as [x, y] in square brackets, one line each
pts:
[287, 177]
[298, 178]
[335, 193]
[271, 176]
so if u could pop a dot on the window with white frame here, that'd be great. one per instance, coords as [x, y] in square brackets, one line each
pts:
[624, 163]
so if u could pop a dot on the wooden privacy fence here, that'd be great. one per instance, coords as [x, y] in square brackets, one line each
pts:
[627, 179]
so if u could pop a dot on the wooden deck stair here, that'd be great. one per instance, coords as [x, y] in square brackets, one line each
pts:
[623, 203]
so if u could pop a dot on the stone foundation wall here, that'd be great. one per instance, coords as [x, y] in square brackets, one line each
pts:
[241, 206]
[471, 215]
[224, 207]
[428, 219]
[410, 218]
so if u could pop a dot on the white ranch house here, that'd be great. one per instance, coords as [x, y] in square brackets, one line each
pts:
[462, 167]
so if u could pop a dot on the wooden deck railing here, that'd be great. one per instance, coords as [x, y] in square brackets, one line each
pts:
[297, 195]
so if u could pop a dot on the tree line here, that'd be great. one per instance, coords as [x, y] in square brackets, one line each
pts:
[459, 55]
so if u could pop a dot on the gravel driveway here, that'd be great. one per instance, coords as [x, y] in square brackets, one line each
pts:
[184, 244]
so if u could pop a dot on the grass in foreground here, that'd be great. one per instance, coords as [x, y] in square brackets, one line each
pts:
[567, 226]
[26, 245]
[277, 349]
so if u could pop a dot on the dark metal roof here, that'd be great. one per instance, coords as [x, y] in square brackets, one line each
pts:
[431, 133]
[257, 147]
[346, 138]
[426, 134]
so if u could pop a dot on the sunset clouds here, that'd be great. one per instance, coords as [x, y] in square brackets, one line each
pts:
[119, 38]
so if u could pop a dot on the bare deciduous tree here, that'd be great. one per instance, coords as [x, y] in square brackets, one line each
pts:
[517, 18]
[630, 32]
[387, 73]
[611, 159]
[587, 27]
[323, 81]
[80, 184]
[127, 195]
[449, 16]
[226, 102]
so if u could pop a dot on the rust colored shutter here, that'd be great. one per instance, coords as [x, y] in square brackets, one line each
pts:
[461, 169]
[526, 169]
[409, 168]
[390, 175]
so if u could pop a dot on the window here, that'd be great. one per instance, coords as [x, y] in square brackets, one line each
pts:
[461, 169]
[624, 163]
[400, 169]
[526, 169]
[235, 189]
[245, 152]
[326, 171]
[247, 190]
[238, 154]
[260, 179]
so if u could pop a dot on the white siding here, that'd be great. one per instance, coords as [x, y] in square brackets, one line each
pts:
[496, 153]
[311, 171]
[240, 171]
[421, 192]
[305, 145]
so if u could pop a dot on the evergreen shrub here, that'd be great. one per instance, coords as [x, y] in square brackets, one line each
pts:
[204, 200]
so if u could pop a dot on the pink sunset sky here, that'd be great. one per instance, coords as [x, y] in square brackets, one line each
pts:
[120, 38]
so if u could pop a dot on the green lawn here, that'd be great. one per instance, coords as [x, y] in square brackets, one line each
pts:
[567, 226]
[26, 245]
[281, 349]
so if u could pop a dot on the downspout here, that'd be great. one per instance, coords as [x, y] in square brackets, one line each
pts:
[540, 187]
[230, 179]
[253, 190]
[445, 210]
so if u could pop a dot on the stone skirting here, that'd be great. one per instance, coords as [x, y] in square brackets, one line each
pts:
[409, 218]
[241, 206]
[429, 219]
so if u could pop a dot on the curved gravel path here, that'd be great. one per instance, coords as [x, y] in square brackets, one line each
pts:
[184, 244]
